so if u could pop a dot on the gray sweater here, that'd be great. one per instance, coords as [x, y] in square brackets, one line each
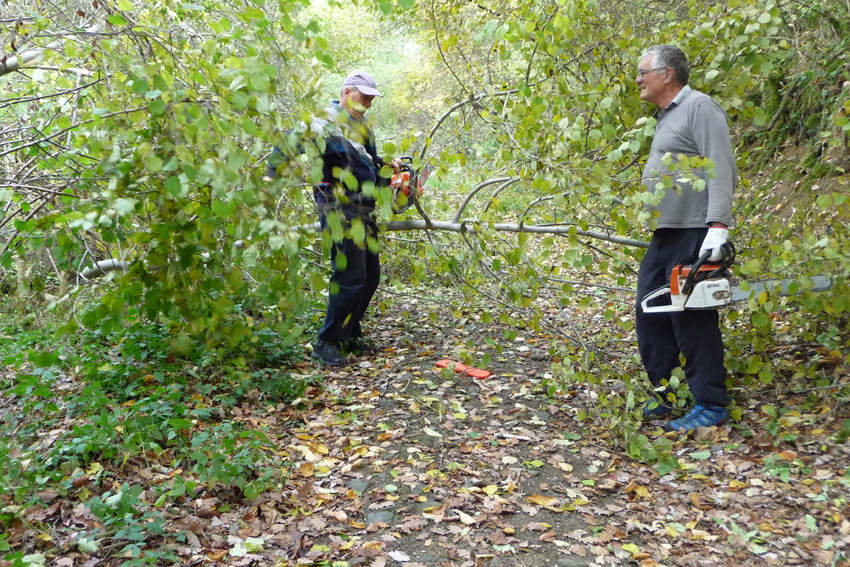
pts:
[693, 125]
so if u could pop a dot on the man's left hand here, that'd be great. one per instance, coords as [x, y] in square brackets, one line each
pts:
[714, 239]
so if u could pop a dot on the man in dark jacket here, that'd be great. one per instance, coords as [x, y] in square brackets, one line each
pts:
[351, 171]
[692, 218]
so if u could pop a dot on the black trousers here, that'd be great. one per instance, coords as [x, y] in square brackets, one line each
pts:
[693, 333]
[355, 277]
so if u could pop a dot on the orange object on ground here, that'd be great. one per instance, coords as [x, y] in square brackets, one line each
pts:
[467, 370]
[459, 367]
[478, 373]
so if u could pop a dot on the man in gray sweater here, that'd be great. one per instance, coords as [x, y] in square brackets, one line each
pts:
[694, 216]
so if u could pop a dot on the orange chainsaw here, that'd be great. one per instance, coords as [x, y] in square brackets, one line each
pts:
[408, 184]
[709, 286]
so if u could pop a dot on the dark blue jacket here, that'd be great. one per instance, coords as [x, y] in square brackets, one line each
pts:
[349, 145]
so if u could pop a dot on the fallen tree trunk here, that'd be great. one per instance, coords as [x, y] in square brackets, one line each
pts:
[471, 226]
[113, 264]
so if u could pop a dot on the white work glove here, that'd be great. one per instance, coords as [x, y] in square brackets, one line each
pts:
[715, 238]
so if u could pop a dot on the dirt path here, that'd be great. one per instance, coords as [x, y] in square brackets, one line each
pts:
[396, 463]
[393, 463]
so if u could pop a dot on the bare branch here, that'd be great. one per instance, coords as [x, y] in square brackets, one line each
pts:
[15, 63]
[478, 188]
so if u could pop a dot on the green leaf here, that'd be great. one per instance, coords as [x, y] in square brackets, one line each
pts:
[173, 186]
[824, 201]
[33, 560]
[116, 20]
[701, 455]
[87, 545]
[358, 232]
[811, 523]
[157, 107]
[760, 320]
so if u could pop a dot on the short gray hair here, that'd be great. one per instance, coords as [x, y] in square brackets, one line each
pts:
[673, 57]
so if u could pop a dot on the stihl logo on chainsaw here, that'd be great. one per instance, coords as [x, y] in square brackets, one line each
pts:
[709, 286]
[408, 184]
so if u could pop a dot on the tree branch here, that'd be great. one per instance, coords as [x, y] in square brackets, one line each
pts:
[475, 190]
[12, 64]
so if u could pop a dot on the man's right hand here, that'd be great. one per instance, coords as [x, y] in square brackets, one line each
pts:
[714, 240]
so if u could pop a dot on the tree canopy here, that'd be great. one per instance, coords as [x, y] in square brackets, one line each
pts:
[134, 137]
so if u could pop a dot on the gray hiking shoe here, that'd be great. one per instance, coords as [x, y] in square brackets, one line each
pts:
[328, 354]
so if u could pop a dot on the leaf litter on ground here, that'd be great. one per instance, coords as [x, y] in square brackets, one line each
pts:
[396, 462]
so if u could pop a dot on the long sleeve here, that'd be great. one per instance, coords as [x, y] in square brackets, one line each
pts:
[710, 129]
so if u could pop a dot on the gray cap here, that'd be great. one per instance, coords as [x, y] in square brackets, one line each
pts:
[363, 82]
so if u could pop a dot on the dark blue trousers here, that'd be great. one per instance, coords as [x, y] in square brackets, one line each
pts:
[693, 333]
[355, 277]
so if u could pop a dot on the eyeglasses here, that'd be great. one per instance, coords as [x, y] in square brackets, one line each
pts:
[643, 72]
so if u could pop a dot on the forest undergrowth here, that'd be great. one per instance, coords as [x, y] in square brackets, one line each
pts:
[115, 453]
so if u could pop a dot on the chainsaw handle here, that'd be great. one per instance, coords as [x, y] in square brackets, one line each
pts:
[727, 259]
[689, 281]
[406, 163]
[670, 307]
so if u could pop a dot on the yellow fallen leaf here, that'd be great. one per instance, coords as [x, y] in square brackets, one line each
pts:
[490, 489]
[631, 548]
[643, 492]
[465, 518]
[541, 500]
[307, 469]
[307, 454]
[671, 531]
[735, 485]
[566, 467]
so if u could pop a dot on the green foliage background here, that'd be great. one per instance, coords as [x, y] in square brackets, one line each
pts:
[142, 136]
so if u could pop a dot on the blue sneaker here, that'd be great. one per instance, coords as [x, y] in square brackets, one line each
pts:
[655, 408]
[699, 416]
